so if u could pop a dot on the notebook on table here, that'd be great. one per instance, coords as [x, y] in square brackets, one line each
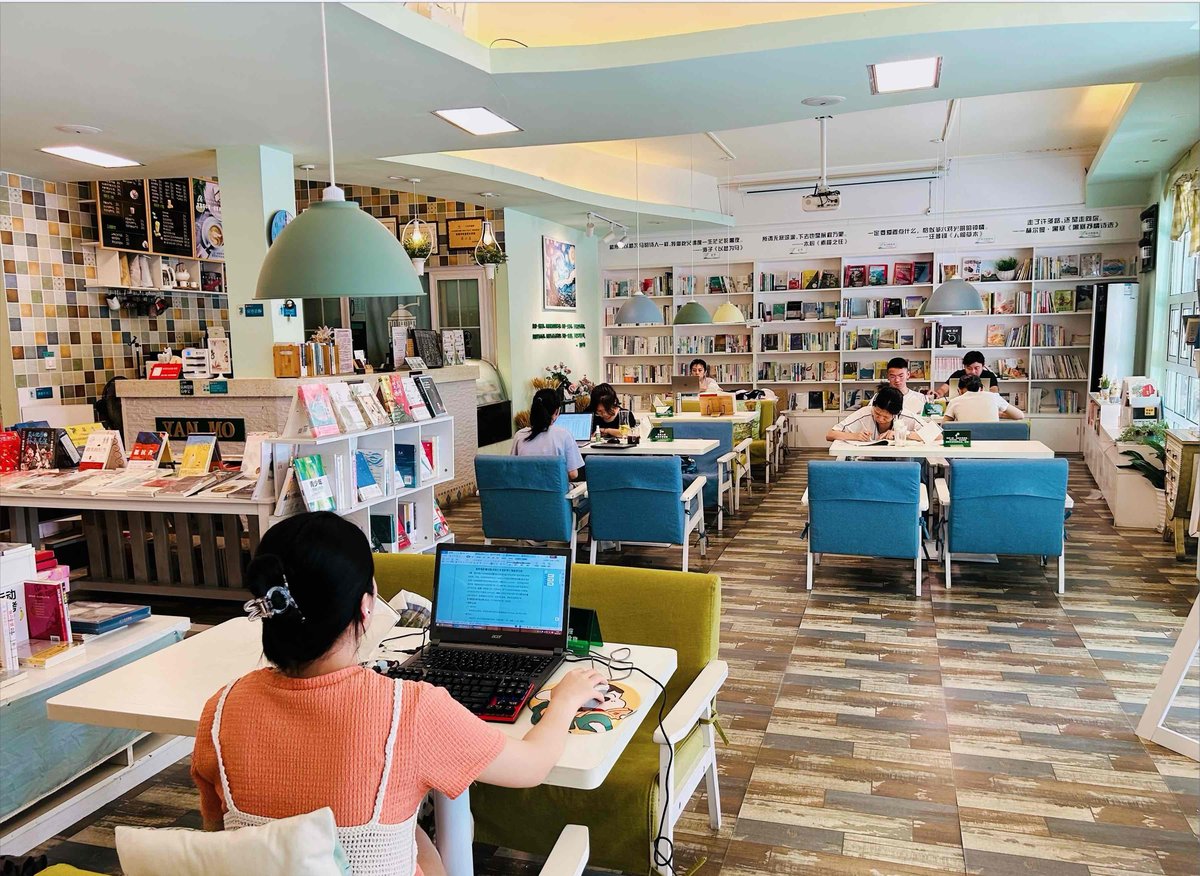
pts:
[499, 628]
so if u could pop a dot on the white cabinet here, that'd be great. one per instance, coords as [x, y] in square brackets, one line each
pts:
[1058, 433]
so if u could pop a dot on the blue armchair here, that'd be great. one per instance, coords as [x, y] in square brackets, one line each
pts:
[1002, 430]
[865, 510]
[1005, 506]
[641, 500]
[723, 468]
[530, 497]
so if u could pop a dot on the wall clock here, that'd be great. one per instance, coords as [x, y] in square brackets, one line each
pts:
[279, 221]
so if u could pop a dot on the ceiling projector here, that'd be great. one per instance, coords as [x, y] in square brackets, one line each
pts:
[821, 200]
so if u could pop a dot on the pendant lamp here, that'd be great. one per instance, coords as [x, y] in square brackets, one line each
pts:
[333, 249]
[638, 310]
[692, 313]
[728, 313]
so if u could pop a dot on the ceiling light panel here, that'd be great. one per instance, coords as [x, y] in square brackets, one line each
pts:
[91, 156]
[911, 75]
[476, 120]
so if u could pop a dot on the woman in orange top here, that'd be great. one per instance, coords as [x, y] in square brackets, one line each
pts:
[317, 729]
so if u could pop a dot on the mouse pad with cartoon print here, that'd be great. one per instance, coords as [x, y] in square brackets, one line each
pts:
[617, 702]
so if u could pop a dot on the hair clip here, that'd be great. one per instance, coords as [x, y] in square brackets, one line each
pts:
[274, 602]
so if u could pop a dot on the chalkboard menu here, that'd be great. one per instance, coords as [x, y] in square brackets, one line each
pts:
[170, 216]
[122, 207]
[428, 348]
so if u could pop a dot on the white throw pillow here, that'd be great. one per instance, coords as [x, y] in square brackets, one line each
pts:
[303, 845]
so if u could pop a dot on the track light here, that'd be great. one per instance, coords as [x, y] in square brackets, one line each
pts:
[591, 227]
[612, 234]
[621, 244]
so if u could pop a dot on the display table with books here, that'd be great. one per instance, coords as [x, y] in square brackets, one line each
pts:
[55, 772]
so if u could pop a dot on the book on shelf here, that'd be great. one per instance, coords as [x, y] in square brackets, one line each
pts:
[441, 529]
[314, 483]
[10, 659]
[364, 477]
[70, 455]
[416, 401]
[1057, 366]
[368, 404]
[428, 458]
[406, 466]
[256, 454]
[98, 618]
[391, 390]
[116, 483]
[429, 393]
[200, 453]
[1009, 368]
[810, 278]
[902, 274]
[149, 488]
[39, 448]
[79, 432]
[385, 534]
[794, 310]
[314, 399]
[38, 654]
[46, 613]
[290, 500]
[1084, 296]
[233, 488]
[103, 450]
[922, 272]
[189, 485]
[150, 450]
[10, 450]
[855, 276]
[345, 409]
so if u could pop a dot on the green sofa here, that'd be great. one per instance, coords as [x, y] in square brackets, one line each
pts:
[635, 606]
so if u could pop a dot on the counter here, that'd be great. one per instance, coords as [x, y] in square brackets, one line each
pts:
[262, 403]
[1133, 500]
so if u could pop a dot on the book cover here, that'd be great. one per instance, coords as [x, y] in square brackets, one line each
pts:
[922, 272]
[116, 483]
[152, 487]
[46, 611]
[902, 274]
[809, 279]
[829, 279]
[971, 270]
[314, 397]
[1083, 298]
[778, 310]
[147, 449]
[10, 450]
[95, 618]
[384, 534]
[234, 488]
[997, 334]
[189, 485]
[794, 310]
[314, 483]
[392, 391]
[39, 448]
[345, 409]
[369, 405]
[37, 654]
[199, 454]
[416, 402]
[364, 478]
[856, 275]
[428, 459]
[69, 454]
[429, 391]
[877, 275]
[79, 432]
[290, 500]
[1064, 300]
[441, 529]
[10, 660]
[849, 370]
[406, 466]
[255, 454]
[893, 307]
[100, 451]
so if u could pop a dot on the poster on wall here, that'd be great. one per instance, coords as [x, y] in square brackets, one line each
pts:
[206, 212]
[122, 208]
[464, 233]
[170, 217]
[558, 274]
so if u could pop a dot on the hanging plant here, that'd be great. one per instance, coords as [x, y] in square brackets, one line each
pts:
[418, 243]
[488, 255]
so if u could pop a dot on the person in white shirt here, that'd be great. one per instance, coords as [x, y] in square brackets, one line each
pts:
[897, 376]
[973, 363]
[973, 405]
[883, 418]
[542, 438]
[699, 369]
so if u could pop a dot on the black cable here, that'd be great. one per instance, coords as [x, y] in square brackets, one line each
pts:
[422, 632]
[659, 859]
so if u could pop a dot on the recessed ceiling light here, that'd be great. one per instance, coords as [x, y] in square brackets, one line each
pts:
[905, 75]
[476, 120]
[823, 100]
[91, 156]
[1159, 140]
[77, 129]
[1141, 161]
[487, 194]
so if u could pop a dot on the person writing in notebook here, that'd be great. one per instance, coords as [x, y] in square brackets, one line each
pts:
[973, 405]
[605, 409]
[542, 438]
[316, 729]
[878, 421]
[897, 376]
[699, 369]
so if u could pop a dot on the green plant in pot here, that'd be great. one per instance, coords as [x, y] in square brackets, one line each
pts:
[418, 247]
[1153, 435]
[488, 255]
[1006, 268]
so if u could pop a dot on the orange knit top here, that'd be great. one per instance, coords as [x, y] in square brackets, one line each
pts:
[292, 745]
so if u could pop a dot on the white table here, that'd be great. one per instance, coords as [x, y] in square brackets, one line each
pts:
[166, 692]
[737, 417]
[678, 447]
[920, 450]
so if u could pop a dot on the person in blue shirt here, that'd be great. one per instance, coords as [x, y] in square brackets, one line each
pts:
[542, 438]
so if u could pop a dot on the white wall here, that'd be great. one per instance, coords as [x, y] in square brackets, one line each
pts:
[520, 357]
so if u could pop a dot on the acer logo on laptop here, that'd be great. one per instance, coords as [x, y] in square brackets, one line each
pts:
[498, 636]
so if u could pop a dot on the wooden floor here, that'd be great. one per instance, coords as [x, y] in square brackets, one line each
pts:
[985, 730]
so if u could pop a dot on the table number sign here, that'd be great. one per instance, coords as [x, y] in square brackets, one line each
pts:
[662, 433]
[956, 437]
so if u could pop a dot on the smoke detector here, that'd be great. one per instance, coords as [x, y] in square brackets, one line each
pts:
[823, 100]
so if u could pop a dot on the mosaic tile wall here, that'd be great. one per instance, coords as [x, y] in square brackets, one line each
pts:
[47, 268]
[382, 203]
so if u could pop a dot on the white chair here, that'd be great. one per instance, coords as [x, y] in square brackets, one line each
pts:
[737, 465]
[570, 853]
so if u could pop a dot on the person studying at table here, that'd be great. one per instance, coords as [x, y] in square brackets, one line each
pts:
[542, 438]
[883, 418]
[699, 369]
[973, 405]
[605, 409]
[973, 367]
[897, 376]
[316, 729]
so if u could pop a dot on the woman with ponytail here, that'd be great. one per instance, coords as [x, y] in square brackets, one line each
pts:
[317, 729]
[542, 438]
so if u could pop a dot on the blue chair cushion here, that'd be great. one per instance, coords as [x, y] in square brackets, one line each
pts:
[524, 497]
[706, 464]
[866, 510]
[1003, 430]
[1007, 506]
[636, 498]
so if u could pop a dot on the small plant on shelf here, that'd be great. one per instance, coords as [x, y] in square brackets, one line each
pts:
[1006, 268]
[1153, 434]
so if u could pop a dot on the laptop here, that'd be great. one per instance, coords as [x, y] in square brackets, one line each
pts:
[499, 628]
[579, 425]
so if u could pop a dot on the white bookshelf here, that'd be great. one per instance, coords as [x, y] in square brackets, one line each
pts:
[109, 275]
[665, 348]
[337, 454]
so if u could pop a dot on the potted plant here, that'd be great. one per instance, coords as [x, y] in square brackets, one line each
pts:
[488, 256]
[1006, 268]
[1153, 435]
[418, 249]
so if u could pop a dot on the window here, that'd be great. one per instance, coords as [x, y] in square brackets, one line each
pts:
[463, 300]
[1181, 385]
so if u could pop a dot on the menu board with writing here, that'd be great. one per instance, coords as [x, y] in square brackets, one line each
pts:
[122, 208]
[170, 216]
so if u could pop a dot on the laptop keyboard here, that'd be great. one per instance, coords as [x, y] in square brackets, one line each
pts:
[494, 685]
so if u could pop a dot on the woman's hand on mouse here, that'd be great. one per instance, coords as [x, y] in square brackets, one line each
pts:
[576, 688]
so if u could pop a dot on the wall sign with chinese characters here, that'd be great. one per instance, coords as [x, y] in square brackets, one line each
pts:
[559, 331]
[824, 236]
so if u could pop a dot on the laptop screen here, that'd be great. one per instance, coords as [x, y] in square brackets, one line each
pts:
[579, 425]
[501, 595]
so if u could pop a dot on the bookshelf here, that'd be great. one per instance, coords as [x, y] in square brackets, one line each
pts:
[812, 325]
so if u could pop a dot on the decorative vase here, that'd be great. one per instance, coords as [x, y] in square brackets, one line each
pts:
[489, 271]
[182, 275]
[419, 267]
[1006, 276]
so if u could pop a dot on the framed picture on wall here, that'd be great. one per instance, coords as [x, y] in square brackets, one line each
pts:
[463, 233]
[558, 274]
[388, 222]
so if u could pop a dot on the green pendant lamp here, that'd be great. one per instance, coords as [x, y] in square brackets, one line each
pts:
[334, 249]
[692, 313]
[728, 313]
[639, 310]
[952, 297]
